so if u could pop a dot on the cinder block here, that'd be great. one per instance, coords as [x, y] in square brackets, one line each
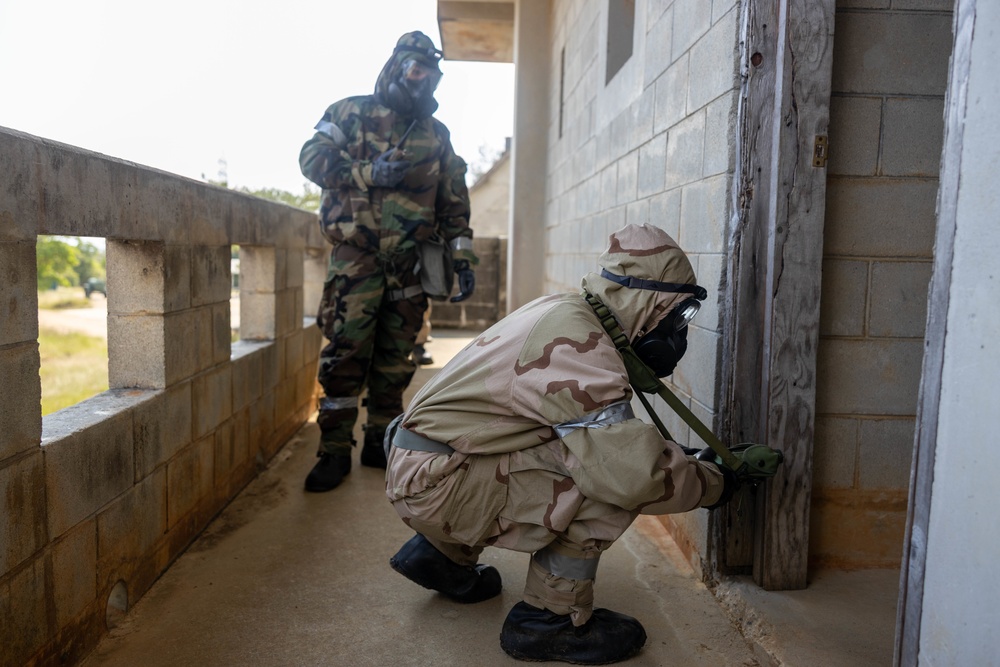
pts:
[294, 268]
[886, 452]
[182, 345]
[685, 151]
[891, 53]
[704, 215]
[720, 128]
[880, 217]
[261, 423]
[286, 310]
[162, 428]
[642, 125]
[246, 380]
[212, 398]
[692, 19]
[914, 132]
[258, 269]
[665, 212]
[845, 295]
[293, 353]
[868, 377]
[652, 166]
[280, 269]
[129, 528]
[636, 213]
[709, 273]
[221, 332]
[258, 316]
[609, 187]
[284, 399]
[671, 96]
[211, 276]
[203, 335]
[20, 399]
[138, 278]
[225, 458]
[852, 532]
[695, 375]
[190, 479]
[835, 452]
[26, 608]
[18, 293]
[74, 566]
[657, 56]
[270, 366]
[136, 351]
[899, 299]
[714, 63]
[855, 130]
[84, 470]
[628, 178]
[22, 510]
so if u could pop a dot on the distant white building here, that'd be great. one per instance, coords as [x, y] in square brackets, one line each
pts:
[490, 199]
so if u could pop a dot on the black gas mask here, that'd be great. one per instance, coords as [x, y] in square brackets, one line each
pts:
[411, 94]
[663, 347]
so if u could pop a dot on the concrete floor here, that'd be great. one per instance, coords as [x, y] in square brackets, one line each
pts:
[284, 577]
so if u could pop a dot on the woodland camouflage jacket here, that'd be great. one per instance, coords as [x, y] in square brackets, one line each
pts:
[432, 197]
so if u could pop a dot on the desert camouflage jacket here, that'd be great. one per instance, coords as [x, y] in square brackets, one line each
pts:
[432, 197]
[536, 382]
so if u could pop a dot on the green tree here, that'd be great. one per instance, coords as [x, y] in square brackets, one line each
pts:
[308, 200]
[92, 261]
[57, 262]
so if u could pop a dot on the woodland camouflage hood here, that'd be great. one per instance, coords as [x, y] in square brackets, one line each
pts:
[416, 46]
[649, 253]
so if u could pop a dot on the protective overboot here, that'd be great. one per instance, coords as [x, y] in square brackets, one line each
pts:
[373, 451]
[328, 472]
[420, 562]
[530, 633]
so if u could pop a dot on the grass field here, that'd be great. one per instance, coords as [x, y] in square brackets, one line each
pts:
[63, 297]
[74, 367]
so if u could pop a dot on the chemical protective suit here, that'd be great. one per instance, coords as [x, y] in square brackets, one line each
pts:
[390, 181]
[526, 440]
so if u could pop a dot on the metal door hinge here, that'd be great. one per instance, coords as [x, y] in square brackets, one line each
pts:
[820, 150]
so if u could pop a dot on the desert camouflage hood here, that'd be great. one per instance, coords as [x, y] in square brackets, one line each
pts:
[647, 252]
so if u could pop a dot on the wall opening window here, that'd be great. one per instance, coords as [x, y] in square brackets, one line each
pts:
[72, 319]
[234, 294]
[621, 22]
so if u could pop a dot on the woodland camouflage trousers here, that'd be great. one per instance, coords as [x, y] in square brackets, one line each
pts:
[371, 333]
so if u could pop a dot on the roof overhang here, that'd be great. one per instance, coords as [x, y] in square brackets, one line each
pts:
[480, 30]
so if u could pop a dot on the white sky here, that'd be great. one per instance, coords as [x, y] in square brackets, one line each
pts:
[181, 84]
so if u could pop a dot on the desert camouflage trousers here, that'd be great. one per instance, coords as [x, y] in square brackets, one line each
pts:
[370, 313]
[518, 501]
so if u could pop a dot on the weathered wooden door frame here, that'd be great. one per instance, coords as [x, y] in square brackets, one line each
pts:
[911, 594]
[772, 306]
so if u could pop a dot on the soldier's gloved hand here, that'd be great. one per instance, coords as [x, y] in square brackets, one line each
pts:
[388, 173]
[466, 281]
[730, 482]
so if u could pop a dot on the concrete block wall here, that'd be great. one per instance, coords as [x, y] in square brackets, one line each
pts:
[655, 144]
[96, 500]
[886, 125]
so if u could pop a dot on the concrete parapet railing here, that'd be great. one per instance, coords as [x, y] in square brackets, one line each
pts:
[97, 500]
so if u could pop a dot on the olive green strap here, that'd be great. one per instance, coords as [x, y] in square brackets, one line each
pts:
[644, 381]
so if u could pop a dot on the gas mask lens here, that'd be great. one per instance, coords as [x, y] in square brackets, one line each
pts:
[685, 312]
[415, 72]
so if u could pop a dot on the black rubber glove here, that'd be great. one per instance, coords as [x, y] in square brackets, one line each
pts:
[730, 482]
[466, 281]
[388, 173]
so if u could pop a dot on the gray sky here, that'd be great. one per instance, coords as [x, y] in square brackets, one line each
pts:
[180, 85]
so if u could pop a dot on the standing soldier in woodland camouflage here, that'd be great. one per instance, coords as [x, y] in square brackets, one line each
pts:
[390, 180]
[527, 441]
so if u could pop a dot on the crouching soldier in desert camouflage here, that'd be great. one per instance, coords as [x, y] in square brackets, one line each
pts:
[526, 440]
[390, 180]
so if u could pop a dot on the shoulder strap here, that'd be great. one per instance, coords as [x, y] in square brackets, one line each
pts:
[644, 381]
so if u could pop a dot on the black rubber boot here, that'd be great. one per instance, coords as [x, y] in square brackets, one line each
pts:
[373, 452]
[421, 356]
[328, 472]
[421, 563]
[530, 633]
